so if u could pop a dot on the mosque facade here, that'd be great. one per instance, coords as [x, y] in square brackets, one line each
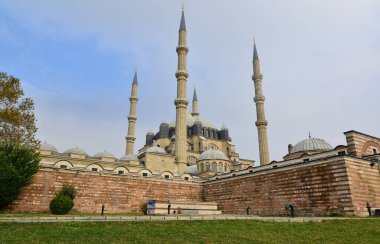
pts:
[189, 159]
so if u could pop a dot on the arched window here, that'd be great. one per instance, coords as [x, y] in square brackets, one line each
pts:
[225, 168]
[214, 168]
[207, 167]
[220, 167]
[213, 146]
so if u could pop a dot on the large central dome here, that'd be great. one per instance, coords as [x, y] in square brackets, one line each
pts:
[192, 119]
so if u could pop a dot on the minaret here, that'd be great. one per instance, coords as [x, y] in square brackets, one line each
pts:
[130, 138]
[181, 100]
[195, 112]
[259, 99]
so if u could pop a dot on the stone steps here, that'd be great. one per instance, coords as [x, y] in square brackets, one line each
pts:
[186, 208]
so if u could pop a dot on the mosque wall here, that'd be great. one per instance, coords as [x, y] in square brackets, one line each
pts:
[336, 185]
[120, 194]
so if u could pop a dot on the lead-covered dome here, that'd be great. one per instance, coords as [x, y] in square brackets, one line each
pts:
[192, 170]
[48, 147]
[129, 157]
[213, 154]
[156, 150]
[104, 154]
[75, 150]
[311, 144]
[191, 120]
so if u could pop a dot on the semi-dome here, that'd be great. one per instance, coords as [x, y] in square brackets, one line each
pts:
[191, 120]
[311, 144]
[156, 150]
[129, 157]
[75, 150]
[48, 147]
[193, 170]
[213, 154]
[104, 154]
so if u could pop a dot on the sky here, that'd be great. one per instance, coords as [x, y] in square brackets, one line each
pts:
[320, 60]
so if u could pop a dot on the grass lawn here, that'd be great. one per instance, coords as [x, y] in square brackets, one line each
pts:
[228, 231]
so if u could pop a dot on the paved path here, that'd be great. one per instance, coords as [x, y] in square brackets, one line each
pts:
[161, 218]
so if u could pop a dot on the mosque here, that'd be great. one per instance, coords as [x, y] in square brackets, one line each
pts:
[187, 147]
[190, 159]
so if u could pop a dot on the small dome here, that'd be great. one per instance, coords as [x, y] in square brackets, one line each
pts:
[104, 154]
[224, 127]
[48, 147]
[129, 157]
[193, 170]
[150, 132]
[311, 144]
[156, 150]
[213, 154]
[76, 150]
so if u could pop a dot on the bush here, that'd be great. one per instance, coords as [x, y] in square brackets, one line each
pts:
[18, 164]
[68, 190]
[61, 204]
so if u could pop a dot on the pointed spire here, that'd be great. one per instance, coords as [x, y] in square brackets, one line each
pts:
[182, 25]
[195, 95]
[255, 55]
[135, 77]
[309, 135]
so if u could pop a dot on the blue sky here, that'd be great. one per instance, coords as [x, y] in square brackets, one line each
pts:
[320, 61]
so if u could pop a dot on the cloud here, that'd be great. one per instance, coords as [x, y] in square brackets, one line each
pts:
[319, 59]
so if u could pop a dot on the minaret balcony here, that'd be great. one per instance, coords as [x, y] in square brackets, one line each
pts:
[181, 74]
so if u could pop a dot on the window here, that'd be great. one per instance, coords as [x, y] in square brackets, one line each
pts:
[94, 169]
[186, 178]
[207, 167]
[166, 176]
[306, 160]
[145, 174]
[342, 153]
[120, 172]
[374, 150]
[63, 166]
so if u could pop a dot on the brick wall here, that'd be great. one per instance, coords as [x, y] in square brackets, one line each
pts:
[339, 184]
[364, 180]
[120, 194]
[319, 188]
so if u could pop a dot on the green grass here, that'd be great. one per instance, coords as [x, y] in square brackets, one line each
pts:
[228, 231]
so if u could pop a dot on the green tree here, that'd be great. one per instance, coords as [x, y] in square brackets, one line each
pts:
[17, 120]
[18, 164]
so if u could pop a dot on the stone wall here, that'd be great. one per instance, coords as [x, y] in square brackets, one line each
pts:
[319, 187]
[120, 194]
[364, 180]
[339, 184]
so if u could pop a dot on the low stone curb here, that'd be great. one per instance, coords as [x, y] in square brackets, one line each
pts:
[161, 218]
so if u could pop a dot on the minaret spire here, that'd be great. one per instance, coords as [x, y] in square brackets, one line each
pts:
[181, 100]
[130, 138]
[195, 112]
[259, 99]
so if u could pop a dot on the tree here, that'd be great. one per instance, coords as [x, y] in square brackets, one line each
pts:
[18, 164]
[17, 120]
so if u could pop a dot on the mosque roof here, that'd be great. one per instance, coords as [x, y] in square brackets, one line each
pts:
[104, 154]
[48, 147]
[191, 120]
[76, 150]
[311, 144]
[155, 149]
[129, 157]
[193, 170]
[213, 154]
